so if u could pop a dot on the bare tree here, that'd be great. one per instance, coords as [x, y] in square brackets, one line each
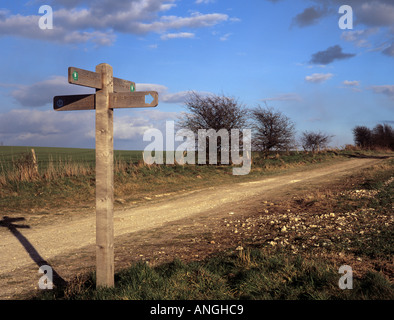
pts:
[314, 141]
[272, 130]
[216, 112]
[213, 112]
[362, 136]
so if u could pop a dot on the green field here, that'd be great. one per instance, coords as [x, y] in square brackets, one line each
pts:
[45, 155]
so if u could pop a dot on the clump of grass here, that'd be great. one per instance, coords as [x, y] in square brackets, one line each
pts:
[373, 286]
[23, 168]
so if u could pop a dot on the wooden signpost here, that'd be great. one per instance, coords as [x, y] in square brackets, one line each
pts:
[111, 93]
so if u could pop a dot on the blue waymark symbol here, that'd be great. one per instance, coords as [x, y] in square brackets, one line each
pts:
[149, 99]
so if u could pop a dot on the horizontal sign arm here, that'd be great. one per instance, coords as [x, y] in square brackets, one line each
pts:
[84, 78]
[121, 85]
[74, 102]
[138, 99]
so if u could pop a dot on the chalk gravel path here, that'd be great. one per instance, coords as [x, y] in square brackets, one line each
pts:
[70, 237]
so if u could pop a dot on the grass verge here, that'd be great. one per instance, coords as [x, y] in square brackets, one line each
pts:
[249, 274]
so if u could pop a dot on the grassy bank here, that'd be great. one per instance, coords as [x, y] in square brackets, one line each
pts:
[249, 274]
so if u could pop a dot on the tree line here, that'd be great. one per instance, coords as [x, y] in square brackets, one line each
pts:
[271, 129]
[379, 137]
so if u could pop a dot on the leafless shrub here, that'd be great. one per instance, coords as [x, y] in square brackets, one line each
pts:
[272, 130]
[217, 112]
[314, 141]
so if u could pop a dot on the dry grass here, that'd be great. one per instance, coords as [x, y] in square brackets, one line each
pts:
[54, 170]
[26, 169]
[350, 147]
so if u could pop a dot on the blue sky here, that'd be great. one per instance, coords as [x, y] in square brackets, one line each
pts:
[289, 54]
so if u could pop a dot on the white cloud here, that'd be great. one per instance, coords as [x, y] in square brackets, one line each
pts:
[204, 1]
[35, 127]
[225, 37]
[27, 27]
[351, 83]
[318, 77]
[130, 127]
[74, 23]
[359, 37]
[178, 35]
[151, 87]
[196, 20]
[233, 19]
[41, 93]
[76, 128]
[178, 97]
[164, 95]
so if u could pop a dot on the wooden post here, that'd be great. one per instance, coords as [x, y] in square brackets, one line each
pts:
[35, 165]
[104, 180]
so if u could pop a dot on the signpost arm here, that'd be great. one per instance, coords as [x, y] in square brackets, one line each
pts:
[104, 180]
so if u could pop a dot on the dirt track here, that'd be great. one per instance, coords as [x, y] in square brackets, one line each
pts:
[69, 245]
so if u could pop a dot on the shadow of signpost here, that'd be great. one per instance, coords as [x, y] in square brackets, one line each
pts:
[9, 223]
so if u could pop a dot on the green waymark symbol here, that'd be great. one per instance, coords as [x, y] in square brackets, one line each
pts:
[132, 88]
[75, 75]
